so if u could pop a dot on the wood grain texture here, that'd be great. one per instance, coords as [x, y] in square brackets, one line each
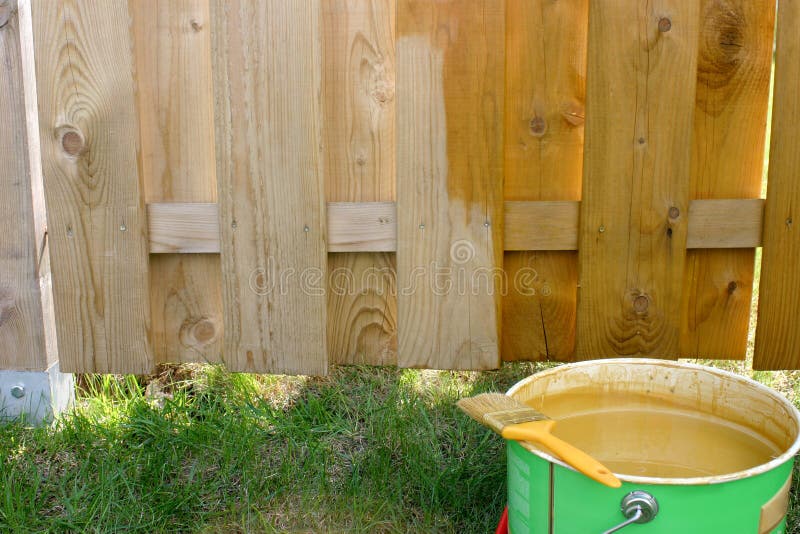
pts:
[359, 137]
[777, 344]
[173, 63]
[97, 228]
[544, 116]
[733, 71]
[27, 337]
[450, 59]
[193, 227]
[267, 71]
[632, 244]
[541, 225]
[725, 224]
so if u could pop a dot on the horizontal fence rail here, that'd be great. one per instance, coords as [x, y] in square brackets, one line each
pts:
[372, 226]
[281, 186]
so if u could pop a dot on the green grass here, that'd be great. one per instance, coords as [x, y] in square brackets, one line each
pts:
[198, 449]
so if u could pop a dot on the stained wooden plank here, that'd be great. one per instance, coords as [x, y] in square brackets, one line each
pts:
[725, 224]
[267, 73]
[733, 71]
[97, 228]
[636, 177]
[777, 343]
[27, 329]
[544, 115]
[450, 58]
[173, 64]
[359, 135]
[541, 225]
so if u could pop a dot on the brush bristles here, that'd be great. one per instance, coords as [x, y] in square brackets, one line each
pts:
[498, 411]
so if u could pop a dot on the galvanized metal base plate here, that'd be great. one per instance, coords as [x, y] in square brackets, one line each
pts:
[35, 396]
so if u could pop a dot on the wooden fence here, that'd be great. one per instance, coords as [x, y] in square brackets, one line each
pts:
[281, 185]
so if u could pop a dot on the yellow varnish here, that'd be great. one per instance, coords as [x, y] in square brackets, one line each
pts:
[639, 435]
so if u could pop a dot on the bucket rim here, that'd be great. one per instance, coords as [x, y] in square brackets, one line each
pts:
[787, 455]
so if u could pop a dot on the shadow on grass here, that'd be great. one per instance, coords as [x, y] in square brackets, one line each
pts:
[200, 449]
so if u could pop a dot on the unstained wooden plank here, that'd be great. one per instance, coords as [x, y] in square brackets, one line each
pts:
[777, 344]
[733, 70]
[267, 71]
[544, 116]
[359, 137]
[636, 175]
[173, 64]
[97, 228]
[450, 60]
[27, 336]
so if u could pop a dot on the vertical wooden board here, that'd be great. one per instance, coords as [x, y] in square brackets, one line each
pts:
[97, 228]
[359, 140]
[450, 58]
[635, 198]
[173, 61]
[777, 344]
[267, 75]
[733, 70]
[544, 114]
[23, 344]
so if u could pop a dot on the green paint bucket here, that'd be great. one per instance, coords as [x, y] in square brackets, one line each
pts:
[547, 496]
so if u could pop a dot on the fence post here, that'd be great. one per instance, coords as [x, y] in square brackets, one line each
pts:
[30, 382]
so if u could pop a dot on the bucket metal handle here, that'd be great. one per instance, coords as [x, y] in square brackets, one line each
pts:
[637, 507]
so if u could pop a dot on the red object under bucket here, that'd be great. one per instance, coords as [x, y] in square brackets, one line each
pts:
[502, 526]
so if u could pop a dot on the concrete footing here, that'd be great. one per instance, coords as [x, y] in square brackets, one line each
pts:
[35, 396]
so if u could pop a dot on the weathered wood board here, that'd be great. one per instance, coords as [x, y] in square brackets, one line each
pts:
[359, 141]
[635, 198]
[97, 227]
[27, 329]
[450, 62]
[175, 103]
[267, 79]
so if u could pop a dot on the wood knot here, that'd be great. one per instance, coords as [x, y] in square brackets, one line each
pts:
[381, 85]
[538, 126]
[732, 287]
[198, 332]
[674, 212]
[196, 25]
[664, 25]
[72, 141]
[641, 303]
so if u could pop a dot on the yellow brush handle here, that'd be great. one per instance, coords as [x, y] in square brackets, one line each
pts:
[539, 432]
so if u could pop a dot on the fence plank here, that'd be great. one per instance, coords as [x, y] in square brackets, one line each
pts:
[358, 103]
[27, 337]
[632, 243]
[173, 64]
[777, 344]
[267, 74]
[544, 112]
[733, 70]
[97, 227]
[450, 59]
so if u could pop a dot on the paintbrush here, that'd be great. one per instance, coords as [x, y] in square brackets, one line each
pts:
[514, 420]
